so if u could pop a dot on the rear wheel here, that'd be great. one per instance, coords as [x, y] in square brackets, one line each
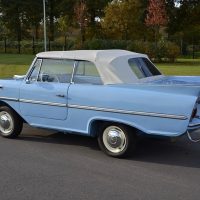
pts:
[10, 123]
[117, 140]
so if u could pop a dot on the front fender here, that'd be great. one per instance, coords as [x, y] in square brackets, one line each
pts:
[9, 93]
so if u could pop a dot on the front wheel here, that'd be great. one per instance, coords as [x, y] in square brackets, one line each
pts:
[10, 123]
[116, 140]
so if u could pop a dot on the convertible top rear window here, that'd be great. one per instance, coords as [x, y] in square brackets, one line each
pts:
[142, 67]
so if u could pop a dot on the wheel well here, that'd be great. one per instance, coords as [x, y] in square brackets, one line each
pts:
[97, 124]
[4, 104]
[7, 105]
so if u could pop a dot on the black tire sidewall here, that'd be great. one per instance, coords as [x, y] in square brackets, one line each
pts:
[130, 144]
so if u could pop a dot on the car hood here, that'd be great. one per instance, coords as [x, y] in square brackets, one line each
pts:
[178, 80]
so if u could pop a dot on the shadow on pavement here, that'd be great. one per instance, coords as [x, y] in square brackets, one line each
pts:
[45, 136]
[158, 151]
[179, 153]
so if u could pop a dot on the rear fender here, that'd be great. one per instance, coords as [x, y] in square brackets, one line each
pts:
[95, 124]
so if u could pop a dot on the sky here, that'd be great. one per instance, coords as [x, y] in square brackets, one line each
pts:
[177, 4]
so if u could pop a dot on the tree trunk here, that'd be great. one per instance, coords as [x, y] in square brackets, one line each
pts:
[65, 47]
[5, 45]
[156, 33]
[19, 46]
[18, 26]
[193, 48]
[33, 44]
[181, 46]
[49, 44]
[37, 28]
[51, 21]
[82, 35]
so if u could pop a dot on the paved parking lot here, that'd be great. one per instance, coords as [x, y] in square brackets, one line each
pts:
[52, 166]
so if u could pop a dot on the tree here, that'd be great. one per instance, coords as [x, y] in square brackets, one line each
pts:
[66, 8]
[95, 10]
[3, 33]
[190, 12]
[14, 18]
[184, 24]
[3, 29]
[156, 16]
[52, 15]
[172, 16]
[34, 15]
[80, 11]
[121, 19]
[64, 24]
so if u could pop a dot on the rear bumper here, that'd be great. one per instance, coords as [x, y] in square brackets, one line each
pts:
[193, 130]
[194, 124]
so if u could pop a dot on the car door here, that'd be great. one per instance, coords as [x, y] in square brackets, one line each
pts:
[44, 92]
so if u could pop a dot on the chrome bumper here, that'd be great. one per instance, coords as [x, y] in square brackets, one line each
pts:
[193, 126]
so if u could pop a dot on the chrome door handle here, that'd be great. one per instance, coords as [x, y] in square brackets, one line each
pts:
[60, 95]
[1, 86]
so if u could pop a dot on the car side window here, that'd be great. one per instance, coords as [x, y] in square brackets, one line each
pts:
[142, 67]
[36, 68]
[56, 70]
[87, 73]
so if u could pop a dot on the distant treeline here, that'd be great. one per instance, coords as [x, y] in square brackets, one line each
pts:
[76, 23]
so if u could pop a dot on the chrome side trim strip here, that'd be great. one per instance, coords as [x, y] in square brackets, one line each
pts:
[9, 99]
[43, 103]
[150, 114]
[34, 102]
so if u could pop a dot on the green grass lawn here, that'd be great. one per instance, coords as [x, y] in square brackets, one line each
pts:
[11, 64]
[186, 67]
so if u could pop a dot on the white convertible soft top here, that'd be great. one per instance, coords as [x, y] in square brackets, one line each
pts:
[112, 65]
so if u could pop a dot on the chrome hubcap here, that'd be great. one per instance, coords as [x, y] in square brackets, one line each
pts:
[114, 139]
[6, 123]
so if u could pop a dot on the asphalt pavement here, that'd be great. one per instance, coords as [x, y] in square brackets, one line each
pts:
[46, 165]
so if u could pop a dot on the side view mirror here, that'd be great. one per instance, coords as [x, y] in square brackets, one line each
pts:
[28, 81]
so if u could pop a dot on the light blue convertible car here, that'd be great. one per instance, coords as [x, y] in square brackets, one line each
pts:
[113, 95]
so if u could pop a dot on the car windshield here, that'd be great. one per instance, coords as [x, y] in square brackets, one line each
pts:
[142, 67]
